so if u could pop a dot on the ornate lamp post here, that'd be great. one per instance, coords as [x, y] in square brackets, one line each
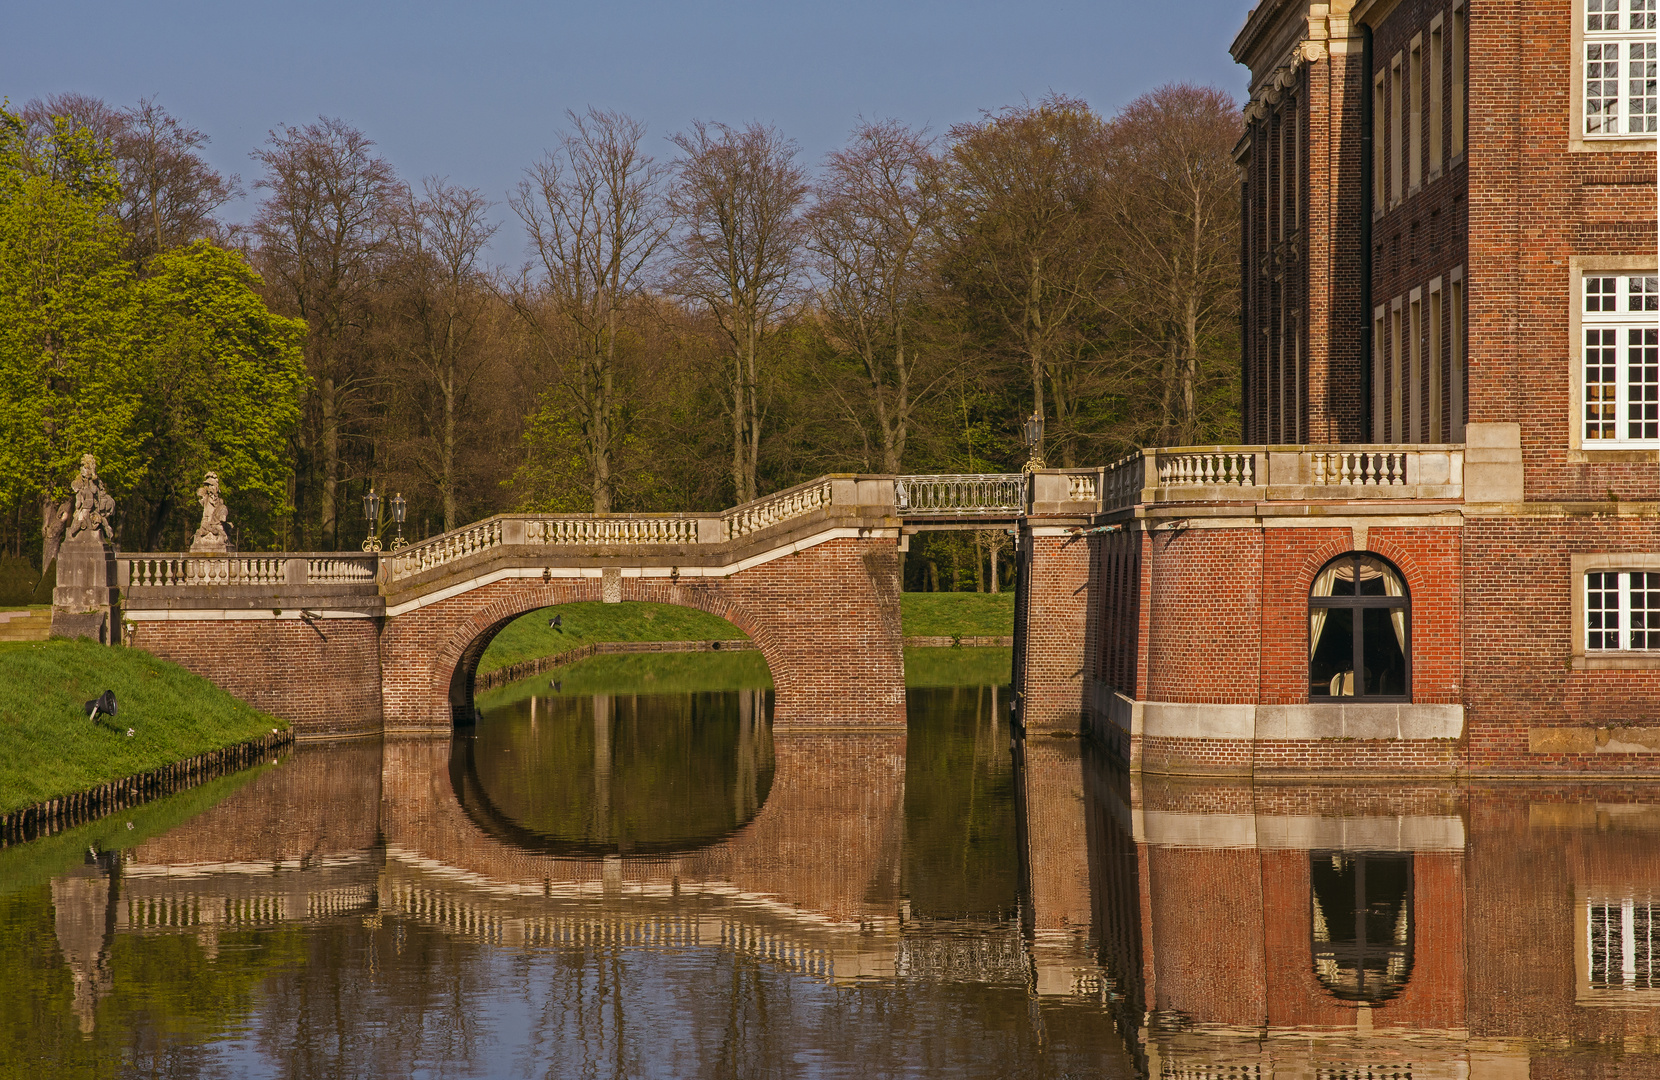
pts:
[1034, 443]
[400, 508]
[371, 514]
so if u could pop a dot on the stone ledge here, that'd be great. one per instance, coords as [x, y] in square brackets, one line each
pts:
[1612, 739]
[1247, 722]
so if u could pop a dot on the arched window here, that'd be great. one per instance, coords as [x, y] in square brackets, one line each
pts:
[1361, 923]
[1359, 630]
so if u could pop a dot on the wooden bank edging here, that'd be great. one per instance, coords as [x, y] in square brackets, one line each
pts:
[51, 816]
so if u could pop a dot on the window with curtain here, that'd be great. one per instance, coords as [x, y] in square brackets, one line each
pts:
[1360, 922]
[1359, 630]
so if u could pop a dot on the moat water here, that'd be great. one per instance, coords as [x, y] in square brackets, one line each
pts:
[624, 870]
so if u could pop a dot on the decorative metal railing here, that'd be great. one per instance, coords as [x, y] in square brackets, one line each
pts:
[965, 494]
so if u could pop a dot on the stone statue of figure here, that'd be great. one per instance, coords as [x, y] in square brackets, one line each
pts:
[90, 518]
[211, 535]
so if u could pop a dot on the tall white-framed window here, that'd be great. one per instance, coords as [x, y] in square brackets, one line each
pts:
[1378, 381]
[1437, 51]
[1622, 611]
[1415, 359]
[1618, 56]
[1616, 610]
[1455, 351]
[1396, 340]
[1415, 113]
[1397, 134]
[1460, 83]
[1619, 348]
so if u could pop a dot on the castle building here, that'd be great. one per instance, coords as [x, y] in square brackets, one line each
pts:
[1440, 548]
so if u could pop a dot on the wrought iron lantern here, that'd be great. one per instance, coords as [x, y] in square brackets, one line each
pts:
[400, 509]
[1034, 442]
[371, 514]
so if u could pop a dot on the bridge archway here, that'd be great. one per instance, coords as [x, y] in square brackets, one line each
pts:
[455, 668]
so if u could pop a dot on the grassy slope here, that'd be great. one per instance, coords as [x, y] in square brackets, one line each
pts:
[942, 614]
[48, 747]
[529, 637]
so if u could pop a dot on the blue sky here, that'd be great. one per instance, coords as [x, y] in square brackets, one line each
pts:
[476, 92]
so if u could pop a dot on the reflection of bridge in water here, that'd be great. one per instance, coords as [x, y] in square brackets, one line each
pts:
[1514, 936]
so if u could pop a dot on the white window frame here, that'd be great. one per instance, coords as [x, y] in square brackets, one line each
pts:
[1583, 565]
[1637, 965]
[1581, 138]
[1580, 269]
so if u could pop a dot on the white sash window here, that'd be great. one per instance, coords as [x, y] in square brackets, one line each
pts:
[1620, 61]
[1622, 611]
[1620, 327]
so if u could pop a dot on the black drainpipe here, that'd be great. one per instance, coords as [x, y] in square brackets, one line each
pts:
[1366, 184]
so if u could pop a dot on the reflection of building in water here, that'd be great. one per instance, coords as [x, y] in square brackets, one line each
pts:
[83, 906]
[1423, 931]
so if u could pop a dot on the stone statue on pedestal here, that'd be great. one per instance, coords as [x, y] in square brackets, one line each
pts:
[210, 537]
[84, 603]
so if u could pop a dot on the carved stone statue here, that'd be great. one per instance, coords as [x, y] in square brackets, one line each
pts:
[93, 504]
[85, 600]
[211, 535]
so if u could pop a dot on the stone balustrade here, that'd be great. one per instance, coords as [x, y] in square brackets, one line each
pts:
[186, 570]
[1199, 474]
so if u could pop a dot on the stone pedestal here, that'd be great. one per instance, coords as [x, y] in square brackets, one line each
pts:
[86, 602]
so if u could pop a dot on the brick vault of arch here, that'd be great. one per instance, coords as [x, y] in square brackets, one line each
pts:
[825, 619]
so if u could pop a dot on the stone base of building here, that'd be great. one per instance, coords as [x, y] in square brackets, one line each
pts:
[1234, 739]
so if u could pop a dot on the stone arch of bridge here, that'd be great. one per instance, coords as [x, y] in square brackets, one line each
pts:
[455, 666]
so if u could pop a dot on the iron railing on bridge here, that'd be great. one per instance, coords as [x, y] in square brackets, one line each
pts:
[1000, 494]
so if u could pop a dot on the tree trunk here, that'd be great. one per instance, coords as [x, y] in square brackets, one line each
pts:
[329, 510]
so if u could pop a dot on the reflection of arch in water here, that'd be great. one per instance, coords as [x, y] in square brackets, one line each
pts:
[606, 775]
[455, 665]
[1361, 923]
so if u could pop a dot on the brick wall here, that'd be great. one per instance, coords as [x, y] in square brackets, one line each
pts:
[322, 675]
[1519, 603]
[1532, 204]
[826, 619]
[1058, 611]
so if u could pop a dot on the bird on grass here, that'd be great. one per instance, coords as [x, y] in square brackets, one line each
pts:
[101, 706]
[555, 624]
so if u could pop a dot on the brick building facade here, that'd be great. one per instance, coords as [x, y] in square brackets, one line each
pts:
[1451, 374]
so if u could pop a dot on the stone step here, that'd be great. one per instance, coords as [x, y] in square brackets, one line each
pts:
[25, 625]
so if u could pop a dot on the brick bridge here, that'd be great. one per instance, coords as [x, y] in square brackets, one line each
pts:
[343, 643]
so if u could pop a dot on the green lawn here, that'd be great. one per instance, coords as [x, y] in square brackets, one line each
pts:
[49, 748]
[944, 614]
[529, 637]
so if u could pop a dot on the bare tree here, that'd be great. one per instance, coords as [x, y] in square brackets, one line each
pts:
[323, 232]
[738, 195]
[444, 302]
[877, 206]
[1025, 249]
[169, 194]
[596, 217]
[1171, 208]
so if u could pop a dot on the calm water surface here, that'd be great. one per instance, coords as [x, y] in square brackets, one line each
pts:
[600, 882]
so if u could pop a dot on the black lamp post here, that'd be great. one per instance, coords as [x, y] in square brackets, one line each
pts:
[371, 514]
[1034, 442]
[400, 508]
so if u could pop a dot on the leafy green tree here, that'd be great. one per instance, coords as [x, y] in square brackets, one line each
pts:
[224, 380]
[68, 384]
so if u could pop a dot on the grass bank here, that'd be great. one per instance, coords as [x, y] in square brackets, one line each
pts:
[681, 673]
[49, 748]
[529, 637]
[965, 614]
